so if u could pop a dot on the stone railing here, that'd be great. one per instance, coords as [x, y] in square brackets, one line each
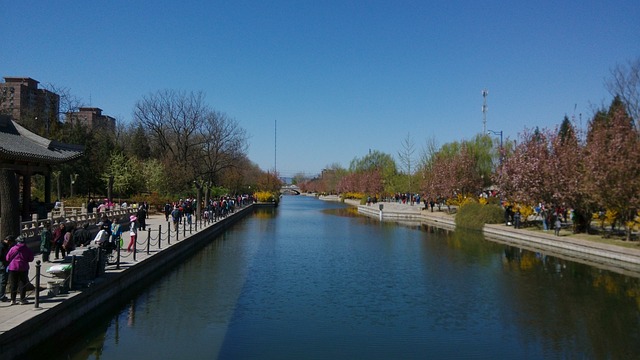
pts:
[79, 216]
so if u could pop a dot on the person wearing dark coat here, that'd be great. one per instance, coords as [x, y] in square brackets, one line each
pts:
[58, 239]
[142, 216]
[7, 243]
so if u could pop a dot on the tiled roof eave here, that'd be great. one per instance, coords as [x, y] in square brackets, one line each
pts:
[19, 145]
[6, 154]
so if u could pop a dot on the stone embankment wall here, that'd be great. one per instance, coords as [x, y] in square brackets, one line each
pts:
[610, 257]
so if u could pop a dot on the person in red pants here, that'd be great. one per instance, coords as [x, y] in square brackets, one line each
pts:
[133, 231]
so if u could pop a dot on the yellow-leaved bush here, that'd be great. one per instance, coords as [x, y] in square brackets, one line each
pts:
[353, 195]
[265, 196]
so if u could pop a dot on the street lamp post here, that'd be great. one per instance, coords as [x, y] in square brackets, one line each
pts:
[497, 133]
[73, 177]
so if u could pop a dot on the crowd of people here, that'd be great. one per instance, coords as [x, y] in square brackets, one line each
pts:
[550, 216]
[214, 209]
[59, 239]
[62, 238]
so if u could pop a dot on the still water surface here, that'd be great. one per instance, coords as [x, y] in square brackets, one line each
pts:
[311, 280]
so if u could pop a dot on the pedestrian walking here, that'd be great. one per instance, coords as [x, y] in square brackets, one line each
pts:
[141, 215]
[133, 232]
[58, 239]
[67, 244]
[516, 219]
[19, 257]
[167, 211]
[116, 233]
[46, 240]
[7, 243]
[175, 217]
[557, 226]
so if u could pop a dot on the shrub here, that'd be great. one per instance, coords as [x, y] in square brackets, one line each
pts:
[525, 212]
[493, 214]
[265, 196]
[75, 201]
[353, 195]
[462, 200]
[473, 215]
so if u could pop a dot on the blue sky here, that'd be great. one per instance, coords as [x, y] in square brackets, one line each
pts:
[339, 77]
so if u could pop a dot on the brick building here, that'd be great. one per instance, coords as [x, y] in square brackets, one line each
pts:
[27, 104]
[92, 118]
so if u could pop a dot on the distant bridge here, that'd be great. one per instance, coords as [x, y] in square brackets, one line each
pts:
[290, 190]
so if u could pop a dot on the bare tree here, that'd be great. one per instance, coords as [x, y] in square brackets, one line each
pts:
[195, 143]
[173, 121]
[625, 83]
[224, 143]
[68, 101]
[429, 150]
[406, 157]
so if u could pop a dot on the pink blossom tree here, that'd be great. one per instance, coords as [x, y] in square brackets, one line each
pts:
[524, 176]
[612, 162]
[566, 171]
[453, 170]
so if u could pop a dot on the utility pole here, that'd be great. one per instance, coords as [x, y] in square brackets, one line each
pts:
[485, 93]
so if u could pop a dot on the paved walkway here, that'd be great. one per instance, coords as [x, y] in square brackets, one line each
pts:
[14, 315]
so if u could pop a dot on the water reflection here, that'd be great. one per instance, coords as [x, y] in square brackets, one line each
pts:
[315, 280]
[567, 307]
[565, 302]
[350, 211]
[265, 213]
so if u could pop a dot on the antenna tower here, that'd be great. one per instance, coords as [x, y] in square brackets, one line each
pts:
[485, 93]
[275, 148]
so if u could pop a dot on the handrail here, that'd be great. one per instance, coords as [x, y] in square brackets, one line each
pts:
[33, 227]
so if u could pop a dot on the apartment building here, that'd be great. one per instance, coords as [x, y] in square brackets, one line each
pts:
[92, 118]
[39, 109]
[21, 98]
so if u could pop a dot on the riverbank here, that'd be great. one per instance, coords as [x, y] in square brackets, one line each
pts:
[24, 326]
[581, 248]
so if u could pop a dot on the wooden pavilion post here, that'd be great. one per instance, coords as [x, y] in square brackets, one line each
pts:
[26, 195]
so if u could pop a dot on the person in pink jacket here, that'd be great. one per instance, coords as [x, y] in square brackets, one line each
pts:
[19, 257]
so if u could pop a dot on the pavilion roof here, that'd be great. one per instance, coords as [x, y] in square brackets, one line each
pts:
[20, 145]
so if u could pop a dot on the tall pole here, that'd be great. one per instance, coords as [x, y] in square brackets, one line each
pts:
[485, 93]
[275, 148]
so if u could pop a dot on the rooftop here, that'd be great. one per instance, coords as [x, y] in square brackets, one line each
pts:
[19, 144]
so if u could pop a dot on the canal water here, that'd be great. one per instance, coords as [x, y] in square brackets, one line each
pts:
[312, 280]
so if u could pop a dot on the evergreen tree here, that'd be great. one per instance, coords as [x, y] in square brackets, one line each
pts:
[139, 141]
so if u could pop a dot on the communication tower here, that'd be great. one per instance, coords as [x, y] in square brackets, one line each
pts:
[485, 92]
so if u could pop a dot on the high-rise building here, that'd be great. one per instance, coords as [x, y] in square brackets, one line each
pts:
[21, 98]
